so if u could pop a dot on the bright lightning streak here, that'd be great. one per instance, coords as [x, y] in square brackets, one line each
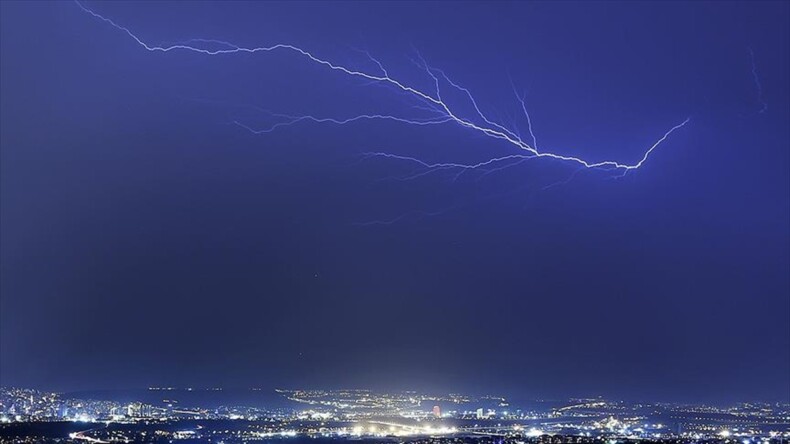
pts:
[435, 102]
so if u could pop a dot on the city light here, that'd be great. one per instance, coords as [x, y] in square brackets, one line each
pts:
[412, 415]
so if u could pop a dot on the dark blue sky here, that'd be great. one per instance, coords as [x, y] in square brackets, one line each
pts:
[148, 240]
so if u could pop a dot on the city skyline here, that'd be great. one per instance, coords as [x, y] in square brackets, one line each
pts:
[169, 413]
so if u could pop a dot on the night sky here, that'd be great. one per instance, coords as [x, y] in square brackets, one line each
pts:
[148, 240]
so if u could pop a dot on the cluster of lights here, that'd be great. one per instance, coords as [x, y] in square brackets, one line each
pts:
[372, 411]
[402, 430]
[282, 434]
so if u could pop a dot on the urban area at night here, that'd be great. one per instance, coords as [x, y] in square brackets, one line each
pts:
[199, 415]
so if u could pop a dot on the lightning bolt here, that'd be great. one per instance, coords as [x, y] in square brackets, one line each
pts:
[441, 111]
[291, 120]
[757, 84]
